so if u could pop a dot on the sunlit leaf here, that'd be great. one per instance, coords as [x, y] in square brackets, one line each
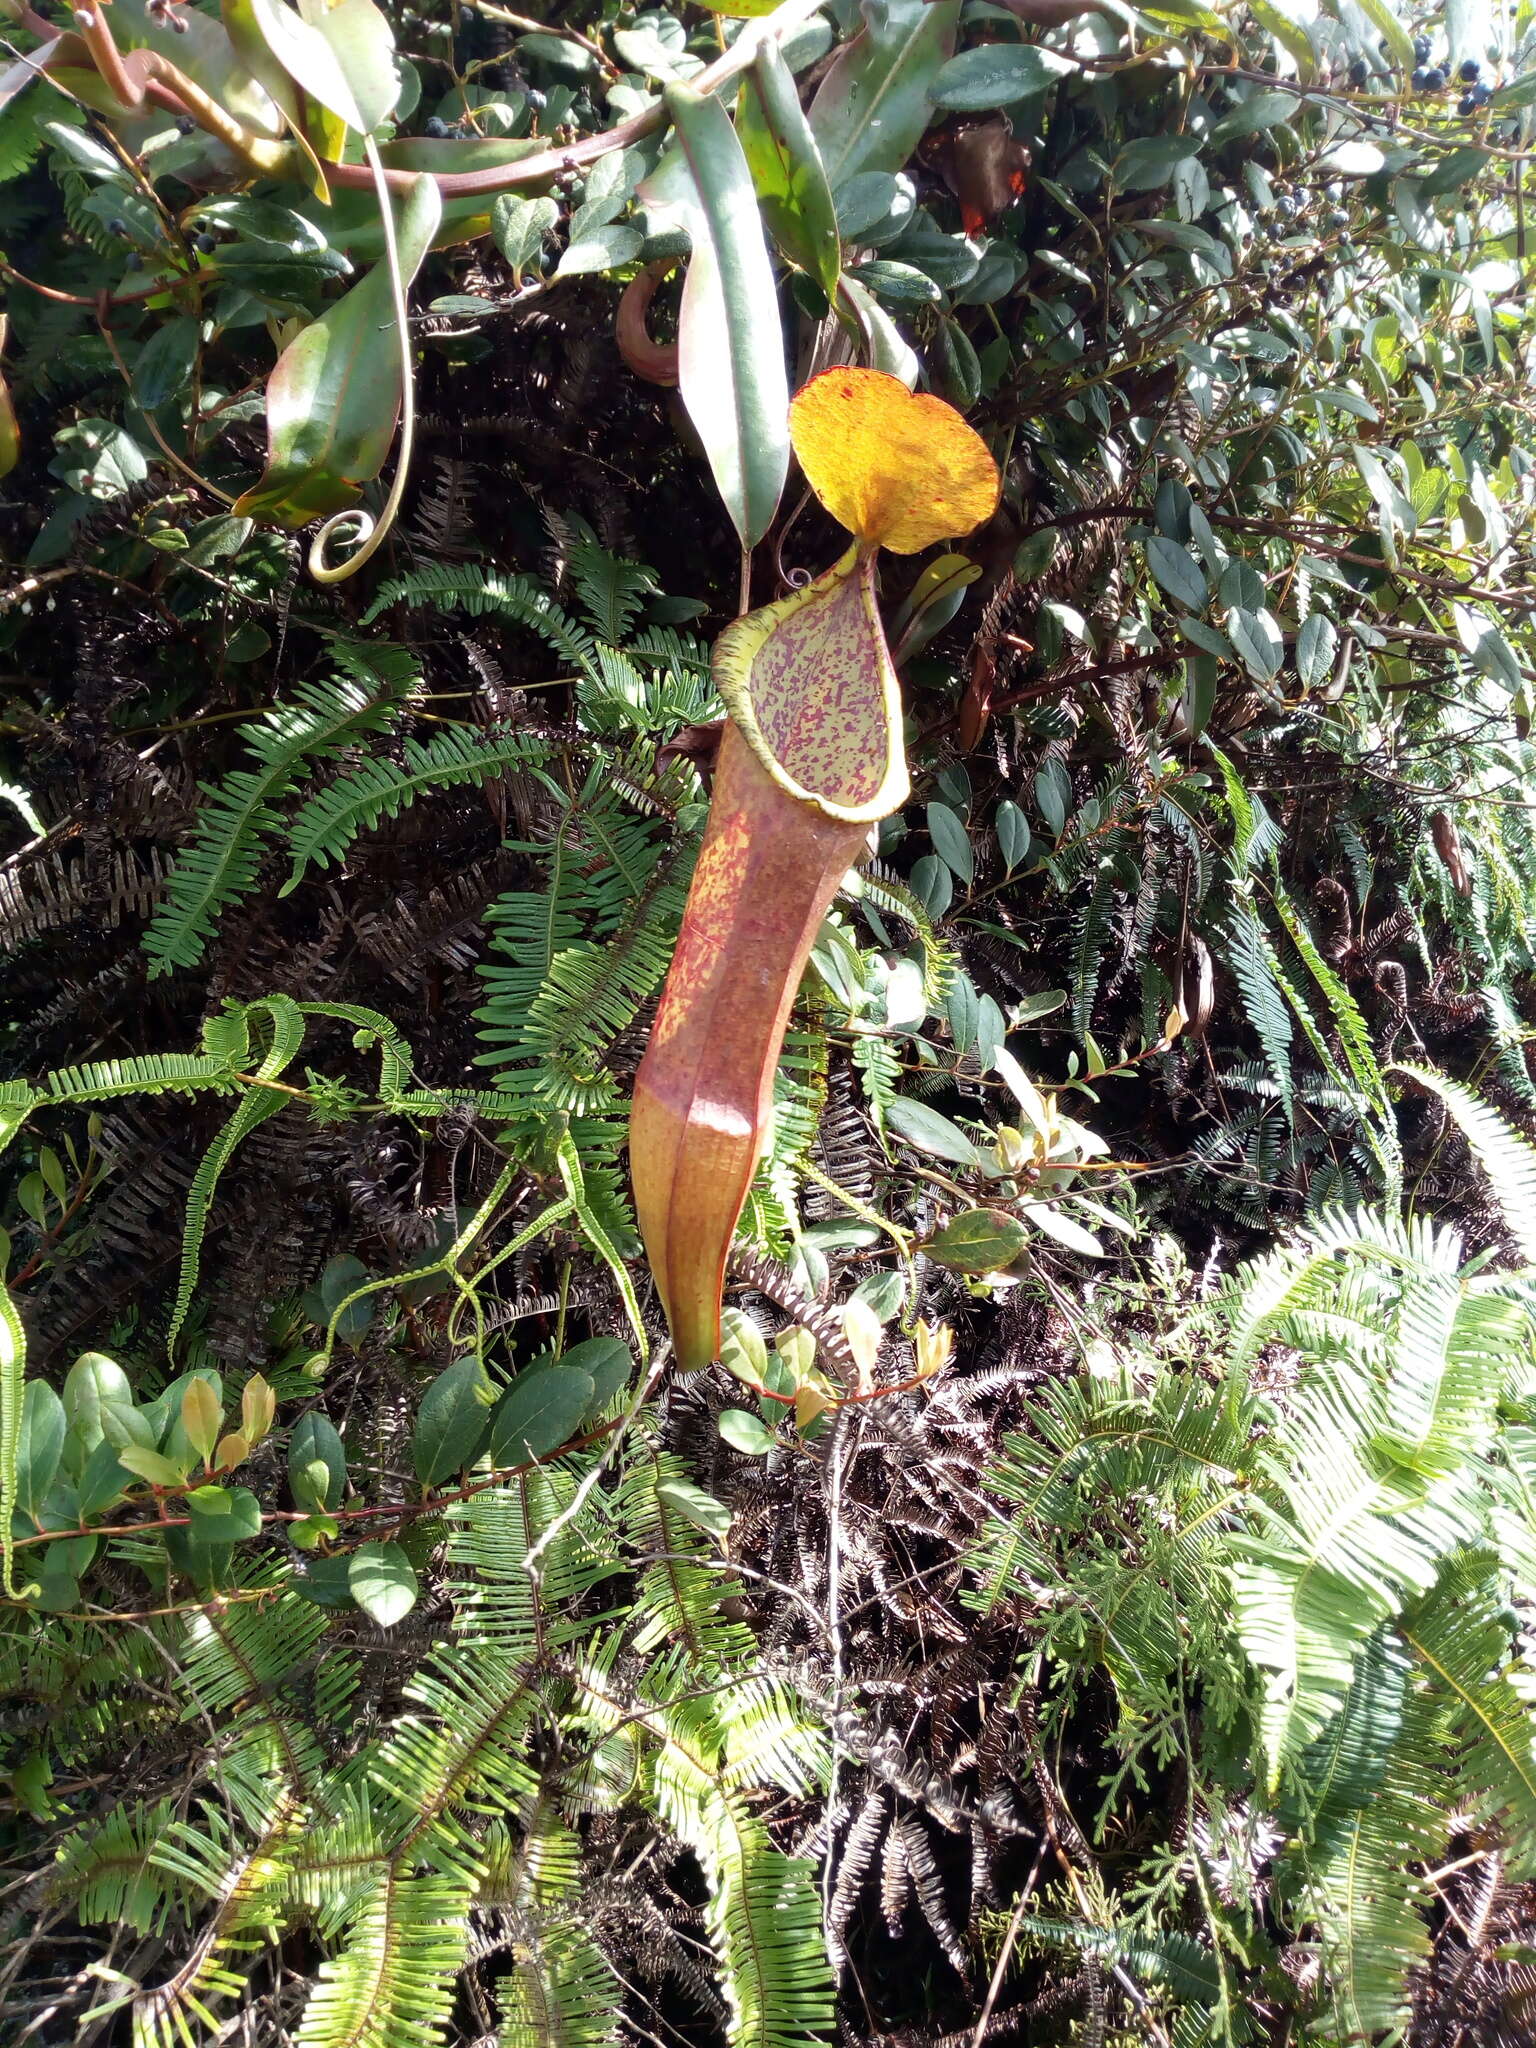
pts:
[383, 1582]
[333, 399]
[899, 469]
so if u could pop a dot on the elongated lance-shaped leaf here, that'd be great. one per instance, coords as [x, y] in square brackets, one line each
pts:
[813, 756]
[333, 399]
[730, 337]
[787, 170]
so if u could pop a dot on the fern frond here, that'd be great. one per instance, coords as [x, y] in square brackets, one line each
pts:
[327, 825]
[1508, 1159]
[479, 592]
[220, 862]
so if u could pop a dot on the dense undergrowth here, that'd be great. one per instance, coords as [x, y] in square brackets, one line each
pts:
[1092, 1600]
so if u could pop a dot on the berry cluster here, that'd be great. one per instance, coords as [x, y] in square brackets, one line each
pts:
[1429, 77]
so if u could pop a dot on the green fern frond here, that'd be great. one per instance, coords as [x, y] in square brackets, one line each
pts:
[327, 825]
[563, 1994]
[220, 862]
[1508, 1159]
[481, 592]
[392, 1984]
[286, 1027]
[611, 590]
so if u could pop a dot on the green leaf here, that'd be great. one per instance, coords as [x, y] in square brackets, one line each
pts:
[1257, 639]
[333, 399]
[452, 1422]
[165, 363]
[317, 1463]
[787, 171]
[743, 1351]
[233, 1518]
[1151, 160]
[39, 1445]
[202, 1413]
[1315, 647]
[520, 228]
[1012, 829]
[1388, 21]
[746, 1432]
[951, 841]
[539, 1412]
[382, 1581]
[603, 247]
[99, 459]
[978, 1241]
[340, 52]
[876, 99]
[997, 74]
[696, 1506]
[104, 1480]
[1248, 117]
[927, 1131]
[608, 1363]
[91, 1383]
[1177, 572]
[1054, 1221]
[864, 202]
[897, 283]
[147, 1464]
[730, 338]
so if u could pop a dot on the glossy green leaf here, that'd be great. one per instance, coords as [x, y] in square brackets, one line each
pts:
[997, 74]
[787, 170]
[978, 1241]
[1012, 829]
[746, 1432]
[539, 1412]
[730, 339]
[951, 841]
[1177, 572]
[926, 1130]
[1315, 646]
[452, 1422]
[333, 399]
[604, 247]
[224, 1514]
[91, 1382]
[872, 107]
[382, 1580]
[339, 52]
[696, 1506]
[608, 1363]
[40, 1444]
[165, 363]
[150, 1465]
[317, 1463]
[520, 228]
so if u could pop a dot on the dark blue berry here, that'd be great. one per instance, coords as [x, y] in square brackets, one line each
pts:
[538, 101]
[1421, 49]
[1358, 73]
[1481, 95]
[435, 127]
[206, 244]
[185, 125]
[119, 228]
[1420, 79]
[1434, 81]
[1469, 71]
[1466, 105]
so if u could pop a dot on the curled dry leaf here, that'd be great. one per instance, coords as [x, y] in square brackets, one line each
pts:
[899, 469]
[654, 361]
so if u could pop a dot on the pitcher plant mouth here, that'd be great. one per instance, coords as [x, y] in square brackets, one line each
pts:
[810, 685]
[812, 756]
